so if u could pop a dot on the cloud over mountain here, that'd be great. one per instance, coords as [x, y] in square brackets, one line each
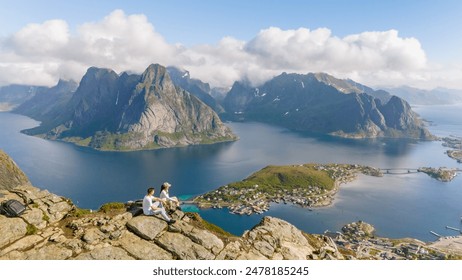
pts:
[42, 53]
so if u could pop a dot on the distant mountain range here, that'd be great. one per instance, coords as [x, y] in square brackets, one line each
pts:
[126, 112]
[13, 95]
[159, 108]
[324, 104]
[48, 104]
[437, 96]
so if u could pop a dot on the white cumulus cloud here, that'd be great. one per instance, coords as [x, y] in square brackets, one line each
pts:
[372, 57]
[42, 53]
[41, 39]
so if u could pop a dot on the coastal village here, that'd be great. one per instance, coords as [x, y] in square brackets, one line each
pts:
[441, 174]
[455, 143]
[305, 185]
[357, 240]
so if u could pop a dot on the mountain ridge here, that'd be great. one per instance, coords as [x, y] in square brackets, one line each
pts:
[132, 112]
[197, 87]
[321, 103]
[436, 96]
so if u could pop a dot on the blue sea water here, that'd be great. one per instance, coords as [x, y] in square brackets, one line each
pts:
[407, 205]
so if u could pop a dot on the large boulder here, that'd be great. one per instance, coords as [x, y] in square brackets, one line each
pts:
[202, 237]
[142, 249]
[276, 238]
[147, 227]
[183, 248]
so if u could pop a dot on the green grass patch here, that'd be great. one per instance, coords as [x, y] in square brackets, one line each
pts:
[273, 180]
[31, 229]
[45, 217]
[208, 226]
[373, 252]
[111, 206]
[79, 212]
[290, 176]
[216, 229]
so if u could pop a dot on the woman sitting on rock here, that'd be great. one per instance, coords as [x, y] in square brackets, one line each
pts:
[172, 203]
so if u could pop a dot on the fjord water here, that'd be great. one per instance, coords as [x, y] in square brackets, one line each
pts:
[408, 205]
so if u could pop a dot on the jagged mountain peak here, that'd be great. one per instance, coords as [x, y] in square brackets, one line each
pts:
[127, 112]
[342, 85]
[98, 73]
[154, 71]
[321, 103]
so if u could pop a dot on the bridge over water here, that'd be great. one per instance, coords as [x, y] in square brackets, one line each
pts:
[404, 170]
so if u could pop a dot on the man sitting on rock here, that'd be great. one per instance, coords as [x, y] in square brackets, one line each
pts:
[151, 208]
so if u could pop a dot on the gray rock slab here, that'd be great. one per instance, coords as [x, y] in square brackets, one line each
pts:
[206, 239]
[50, 252]
[11, 229]
[22, 244]
[34, 216]
[183, 247]
[105, 253]
[142, 249]
[147, 227]
[280, 235]
[93, 236]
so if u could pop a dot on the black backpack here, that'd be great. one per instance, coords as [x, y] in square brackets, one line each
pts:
[135, 207]
[12, 208]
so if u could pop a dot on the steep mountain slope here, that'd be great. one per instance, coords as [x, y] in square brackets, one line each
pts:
[196, 87]
[11, 175]
[127, 112]
[323, 104]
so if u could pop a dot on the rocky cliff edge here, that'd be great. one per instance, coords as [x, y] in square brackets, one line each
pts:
[53, 229]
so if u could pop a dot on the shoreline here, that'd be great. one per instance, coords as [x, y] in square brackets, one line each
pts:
[246, 198]
[253, 200]
[455, 143]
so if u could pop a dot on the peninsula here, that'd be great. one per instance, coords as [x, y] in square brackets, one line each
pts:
[306, 185]
[441, 174]
[455, 143]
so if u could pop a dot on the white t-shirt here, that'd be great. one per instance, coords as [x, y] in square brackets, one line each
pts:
[164, 194]
[147, 203]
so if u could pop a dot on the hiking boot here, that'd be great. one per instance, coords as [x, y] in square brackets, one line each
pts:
[178, 208]
[172, 221]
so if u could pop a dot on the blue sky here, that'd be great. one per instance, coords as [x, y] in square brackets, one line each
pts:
[434, 24]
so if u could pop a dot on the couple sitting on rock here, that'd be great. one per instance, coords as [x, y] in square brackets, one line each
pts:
[157, 205]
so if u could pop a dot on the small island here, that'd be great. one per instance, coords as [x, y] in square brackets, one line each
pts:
[441, 174]
[306, 185]
[455, 143]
